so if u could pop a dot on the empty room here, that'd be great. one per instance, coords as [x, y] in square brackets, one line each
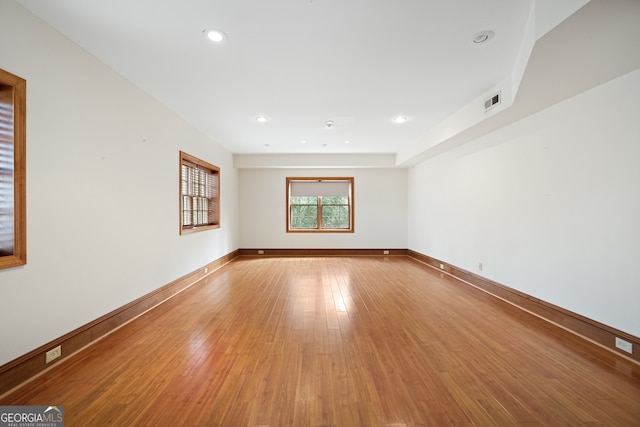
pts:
[319, 213]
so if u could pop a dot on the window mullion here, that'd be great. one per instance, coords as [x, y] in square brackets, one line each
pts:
[320, 227]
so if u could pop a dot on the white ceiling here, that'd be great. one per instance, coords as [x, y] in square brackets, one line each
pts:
[358, 63]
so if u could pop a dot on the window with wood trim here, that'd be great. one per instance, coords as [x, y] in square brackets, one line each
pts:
[199, 194]
[320, 205]
[13, 222]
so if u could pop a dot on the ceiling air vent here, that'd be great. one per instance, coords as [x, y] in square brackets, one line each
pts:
[493, 101]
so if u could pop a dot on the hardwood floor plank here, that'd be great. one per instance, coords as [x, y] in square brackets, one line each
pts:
[338, 341]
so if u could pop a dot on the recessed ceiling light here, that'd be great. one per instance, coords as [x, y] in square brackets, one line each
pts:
[215, 35]
[347, 142]
[303, 142]
[261, 119]
[483, 36]
[400, 119]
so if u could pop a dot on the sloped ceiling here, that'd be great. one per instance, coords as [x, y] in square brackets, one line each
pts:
[596, 44]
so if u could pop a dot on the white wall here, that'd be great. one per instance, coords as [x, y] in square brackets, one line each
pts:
[380, 210]
[102, 190]
[550, 205]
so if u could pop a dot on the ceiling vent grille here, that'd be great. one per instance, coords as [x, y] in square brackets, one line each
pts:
[491, 102]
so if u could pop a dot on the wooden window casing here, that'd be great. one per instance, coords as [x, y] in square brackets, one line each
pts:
[318, 210]
[199, 195]
[13, 211]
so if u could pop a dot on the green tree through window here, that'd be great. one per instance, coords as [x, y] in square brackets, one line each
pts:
[304, 212]
[320, 204]
[335, 211]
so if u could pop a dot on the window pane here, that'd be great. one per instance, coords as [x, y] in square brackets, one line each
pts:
[335, 200]
[335, 216]
[184, 179]
[304, 216]
[7, 213]
[186, 210]
[304, 200]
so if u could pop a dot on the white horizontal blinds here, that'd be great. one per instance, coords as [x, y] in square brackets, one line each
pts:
[198, 180]
[187, 205]
[6, 172]
[319, 188]
[213, 195]
[200, 195]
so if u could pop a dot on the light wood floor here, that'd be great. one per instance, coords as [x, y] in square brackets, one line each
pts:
[348, 342]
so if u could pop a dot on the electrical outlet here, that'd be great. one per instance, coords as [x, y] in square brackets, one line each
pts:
[624, 345]
[480, 266]
[441, 266]
[53, 354]
[206, 270]
[385, 252]
[260, 252]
